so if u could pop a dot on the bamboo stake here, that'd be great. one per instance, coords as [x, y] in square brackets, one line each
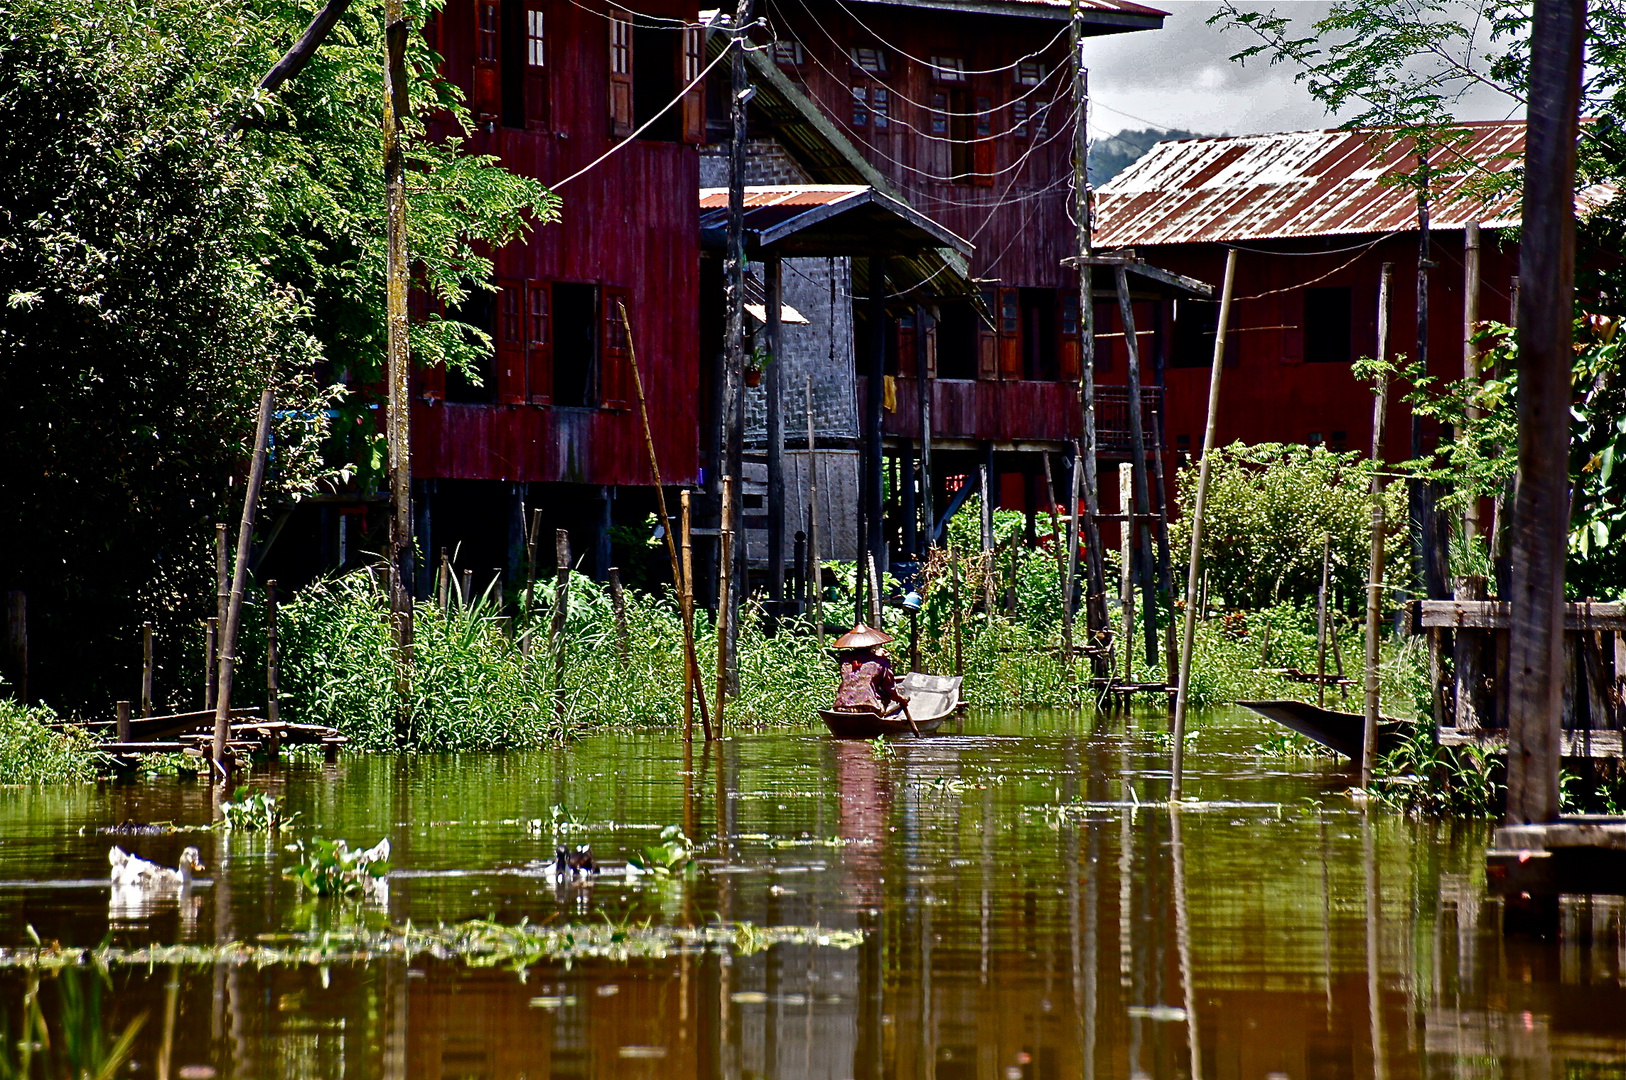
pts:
[1165, 573]
[273, 666]
[398, 356]
[561, 611]
[1216, 370]
[211, 631]
[1126, 587]
[815, 567]
[725, 535]
[959, 610]
[239, 579]
[680, 573]
[1321, 623]
[1061, 567]
[985, 498]
[1374, 572]
[874, 593]
[618, 604]
[685, 587]
[146, 669]
[535, 534]
[222, 601]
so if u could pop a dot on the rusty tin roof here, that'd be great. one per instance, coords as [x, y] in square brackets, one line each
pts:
[1296, 183]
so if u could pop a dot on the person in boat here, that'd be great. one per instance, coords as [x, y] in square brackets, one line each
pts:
[868, 683]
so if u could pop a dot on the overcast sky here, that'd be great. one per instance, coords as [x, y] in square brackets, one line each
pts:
[1182, 77]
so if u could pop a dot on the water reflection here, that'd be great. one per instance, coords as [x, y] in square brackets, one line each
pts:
[1030, 909]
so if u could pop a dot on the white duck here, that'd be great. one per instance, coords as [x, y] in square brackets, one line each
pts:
[133, 872]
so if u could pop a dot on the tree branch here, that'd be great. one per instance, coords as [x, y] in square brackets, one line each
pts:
[297, 57]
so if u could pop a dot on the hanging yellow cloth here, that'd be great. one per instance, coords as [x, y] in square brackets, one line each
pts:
[889, 393]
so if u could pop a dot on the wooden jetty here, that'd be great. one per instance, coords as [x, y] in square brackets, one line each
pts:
[126, 738]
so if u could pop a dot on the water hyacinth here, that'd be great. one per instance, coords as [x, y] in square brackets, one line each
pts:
[34, 750]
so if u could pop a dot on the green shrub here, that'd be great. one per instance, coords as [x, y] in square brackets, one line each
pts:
[32, 751]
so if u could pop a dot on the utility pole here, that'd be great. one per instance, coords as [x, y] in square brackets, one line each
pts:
[733, 411]
[1095, 576]
[397, 418]
[1541, 498]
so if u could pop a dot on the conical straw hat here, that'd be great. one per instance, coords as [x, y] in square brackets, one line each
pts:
[862, 637]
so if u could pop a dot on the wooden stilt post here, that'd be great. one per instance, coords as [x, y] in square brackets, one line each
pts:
[398, 360]
[725, 611]
[1216, 370]
[1541, 507]
[773, 282]
[1126, 587]
[466, 593]
[211, 634]
[685, 587]
[959, 610]
[815, 567]
[733, 400]
[1470, 353]
[121, 721]
[1061, 566]
[239, 581]
[531, 540]
[222, 601]
[446, 580]
[1321, 623]
[561, 612]
[146, 669]
[1165, 573]
[1374, 572]
[1137, 442]
[273, 668]
[618, 605]
[926, 364]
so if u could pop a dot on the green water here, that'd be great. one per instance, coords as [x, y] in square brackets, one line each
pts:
[1029, 906]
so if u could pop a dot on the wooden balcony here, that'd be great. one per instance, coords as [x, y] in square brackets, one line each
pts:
[1016, 414]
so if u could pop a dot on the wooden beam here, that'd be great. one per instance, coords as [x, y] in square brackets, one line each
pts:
[1498, 615]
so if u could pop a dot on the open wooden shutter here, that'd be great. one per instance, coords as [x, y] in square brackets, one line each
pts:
[615, 380]
[1009, 317]
[908, 346]
[539, 343]
[690, 65]
[620, 73]
[1069, 350]
[487, 59]
[510, 342]
[536, 66]
[988, 338]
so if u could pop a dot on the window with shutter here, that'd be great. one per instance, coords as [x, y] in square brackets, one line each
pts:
[1070, 353]
[537, 117]
[949, 69]
[487, 59]
[538, 344]
[620, 74]
[694, 101]
[982, 156]
[940, 108]
[880, 105]
[510, 343]
[1010, 335]
[615, 385]
[860, 106]
[1019, 119]
[988, 337]
[1030, 72]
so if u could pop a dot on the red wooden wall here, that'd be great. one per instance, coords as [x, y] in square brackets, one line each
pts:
[630, 226]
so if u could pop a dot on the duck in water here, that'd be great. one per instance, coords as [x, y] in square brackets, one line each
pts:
[868, 683]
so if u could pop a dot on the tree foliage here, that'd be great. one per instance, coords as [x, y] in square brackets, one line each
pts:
[158, 270]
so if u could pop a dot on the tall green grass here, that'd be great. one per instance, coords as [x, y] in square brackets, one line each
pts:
[33, 751]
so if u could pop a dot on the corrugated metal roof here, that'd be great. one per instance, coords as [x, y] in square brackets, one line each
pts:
[1295, 183]
[1046, 9]
[835, 219]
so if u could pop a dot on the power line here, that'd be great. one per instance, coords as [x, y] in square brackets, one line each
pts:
[990, 71]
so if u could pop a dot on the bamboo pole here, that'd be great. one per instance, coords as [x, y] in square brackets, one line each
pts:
[535, 534]
[685, 587]
[239, 579]
[1470, 352]
[725, 536]
[1541, 501]
[146, 669]
[1126, 587]
[875, 614]
[682, 575]
[398, 362]
[1321, 623]
[561, 611]
[815, 567]
[1216, 370]
[985, 499]
[222, 601]
[618, 604]
[1165, 573]
[1061, 566]
[273, 666]
[1374, 572]
[211, 633]
[959, 610]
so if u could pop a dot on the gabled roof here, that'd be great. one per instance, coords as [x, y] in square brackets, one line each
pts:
[1297, 184]
[825, 220]
[1101, 16]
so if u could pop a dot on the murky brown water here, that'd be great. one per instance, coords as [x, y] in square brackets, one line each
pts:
[1029, 909]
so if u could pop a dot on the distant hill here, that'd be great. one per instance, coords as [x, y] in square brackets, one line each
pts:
[1109, 157]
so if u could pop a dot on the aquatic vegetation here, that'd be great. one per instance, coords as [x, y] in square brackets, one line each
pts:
[478, 943]
[672, 854]
[1422, 777]
[330, 868]
[881, 749]
[35, 748]
[77, 1041]
[1290, 744]
[260, 812]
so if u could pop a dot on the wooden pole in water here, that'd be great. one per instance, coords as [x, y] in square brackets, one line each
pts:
[1165, 572]
[222, 600]
[618, 604]
[686, 610]
[398, 356]
[1216, 369]
[959, 610]
[1374, 570]
[815, 567]
[1126, 586]
[1061, 566]
[724, 580]
[985, 498]
[1541, 501]
[682, 572]
[1321, 623]
[211, 631]
[146, 669]
[561, 611]
[1470, 353]
[530, 576]
[121, 722]
[273, 665]
[239, 580]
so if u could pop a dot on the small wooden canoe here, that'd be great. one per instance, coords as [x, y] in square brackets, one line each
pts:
[1342, 732]
[932, 699]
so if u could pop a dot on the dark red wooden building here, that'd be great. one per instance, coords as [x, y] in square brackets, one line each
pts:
[1315, 215]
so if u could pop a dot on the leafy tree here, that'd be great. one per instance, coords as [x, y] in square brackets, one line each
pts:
[158, 270]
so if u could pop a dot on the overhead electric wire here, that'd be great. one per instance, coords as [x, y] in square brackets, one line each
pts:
[989, 71]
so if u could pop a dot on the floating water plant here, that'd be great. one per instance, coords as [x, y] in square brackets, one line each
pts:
[330, 868]
[672, 854]
[259, 812]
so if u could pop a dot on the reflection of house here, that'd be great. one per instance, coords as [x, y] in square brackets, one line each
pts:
[1320, 214]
